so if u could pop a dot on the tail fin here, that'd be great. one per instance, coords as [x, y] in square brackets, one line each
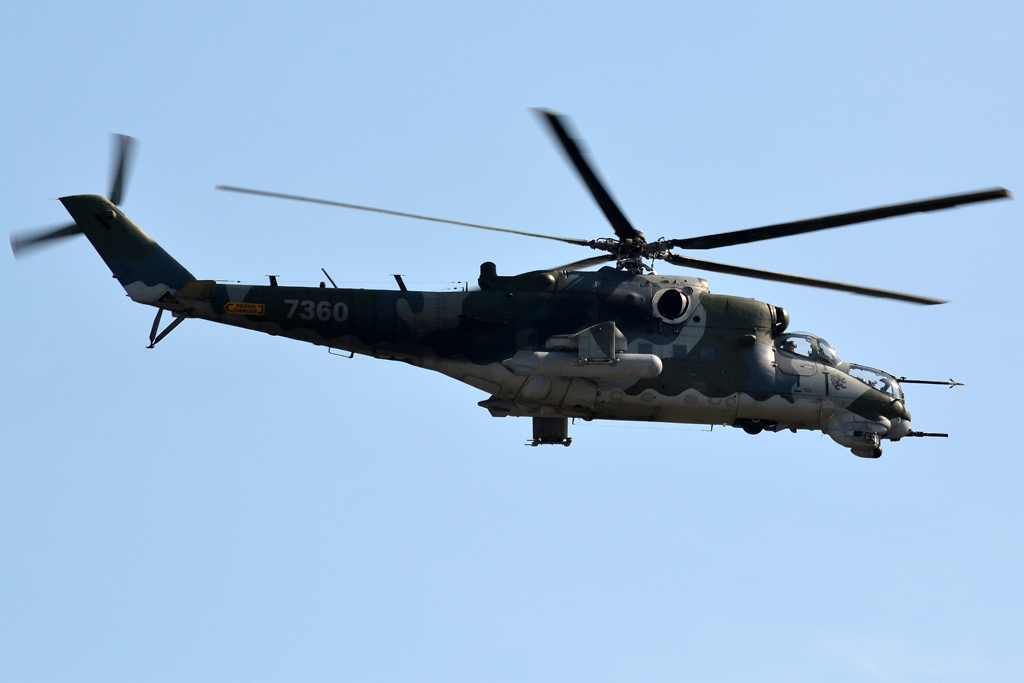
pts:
[143, 268]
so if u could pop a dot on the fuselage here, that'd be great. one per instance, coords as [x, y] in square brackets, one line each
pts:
[611, 344]
[718, 356]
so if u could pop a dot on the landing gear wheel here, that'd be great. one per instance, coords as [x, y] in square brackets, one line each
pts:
[754, 426]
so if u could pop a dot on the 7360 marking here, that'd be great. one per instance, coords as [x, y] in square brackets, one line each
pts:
[322, 310]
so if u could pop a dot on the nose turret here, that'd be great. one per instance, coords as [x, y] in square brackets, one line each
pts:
[899, 429]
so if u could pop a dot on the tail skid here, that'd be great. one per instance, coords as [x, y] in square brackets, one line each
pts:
[155, 338]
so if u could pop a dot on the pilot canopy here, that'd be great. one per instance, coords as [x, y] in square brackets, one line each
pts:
[808, 346]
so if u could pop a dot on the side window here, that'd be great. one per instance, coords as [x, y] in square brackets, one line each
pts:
[644, 347]
[679, 350]
[796, 345]
[707, 353]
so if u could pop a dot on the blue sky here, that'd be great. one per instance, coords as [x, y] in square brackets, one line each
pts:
[230, 506]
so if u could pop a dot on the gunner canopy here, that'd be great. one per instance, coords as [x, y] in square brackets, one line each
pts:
[876, 379]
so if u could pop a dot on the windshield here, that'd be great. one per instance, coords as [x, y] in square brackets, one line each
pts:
[826, 354]
[876, 379]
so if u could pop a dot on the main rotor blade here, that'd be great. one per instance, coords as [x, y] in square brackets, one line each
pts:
[768, 232]
[688, 262]
[32, 239]
[125, 148]
[327, 202]
[587, 262]
[623, 229]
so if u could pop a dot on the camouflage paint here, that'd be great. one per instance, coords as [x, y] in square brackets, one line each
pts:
[719, 360]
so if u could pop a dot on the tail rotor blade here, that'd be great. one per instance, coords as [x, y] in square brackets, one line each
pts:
[19, 243]
[124, 149]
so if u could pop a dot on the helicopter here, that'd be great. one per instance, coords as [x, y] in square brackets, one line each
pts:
[624, 342]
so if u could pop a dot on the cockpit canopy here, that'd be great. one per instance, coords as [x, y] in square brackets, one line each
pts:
[808, 346]
[800, 345]
[876, 379]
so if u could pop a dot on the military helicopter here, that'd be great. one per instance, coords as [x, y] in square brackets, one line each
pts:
[621, 343]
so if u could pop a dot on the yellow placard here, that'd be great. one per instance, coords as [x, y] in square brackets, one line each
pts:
[243, 308]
